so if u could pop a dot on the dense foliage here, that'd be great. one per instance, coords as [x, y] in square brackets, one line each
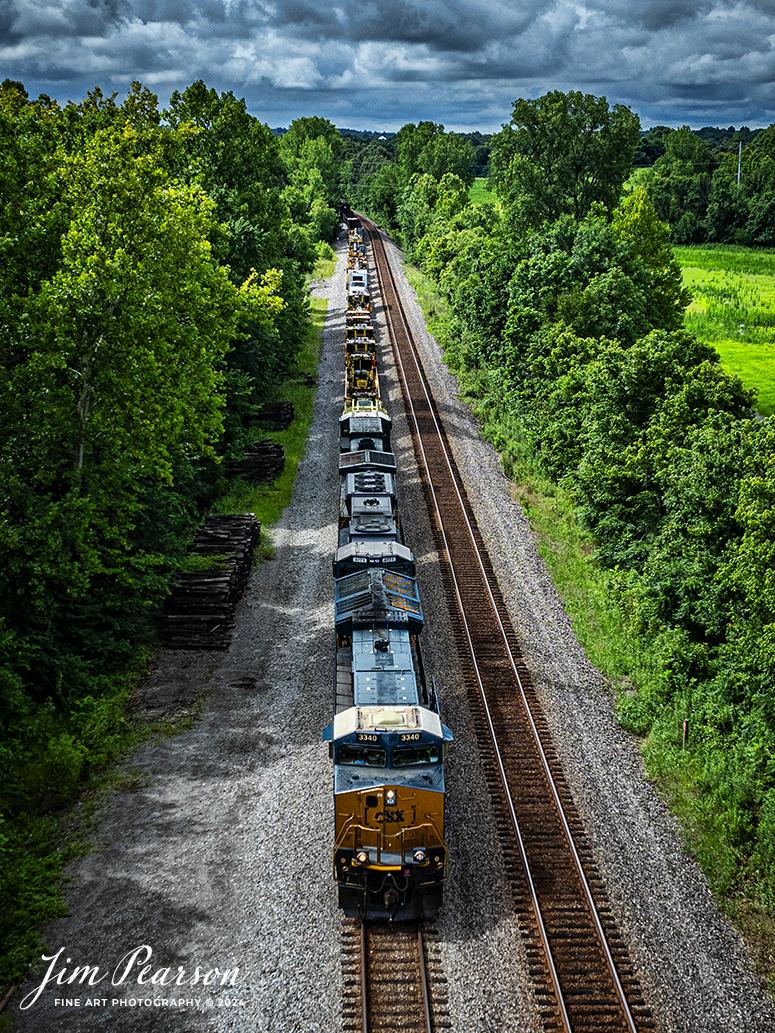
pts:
[379, 176]
[563, 153]
[566, 326]
[712, 186]
[152, 295]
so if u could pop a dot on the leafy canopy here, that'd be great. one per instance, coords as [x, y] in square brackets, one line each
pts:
[562, 153]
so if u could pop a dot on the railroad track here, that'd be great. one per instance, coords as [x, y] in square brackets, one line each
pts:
[583, 979]
[391, 984]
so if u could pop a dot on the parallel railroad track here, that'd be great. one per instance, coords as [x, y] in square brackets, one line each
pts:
[390, 982]
[582, 977]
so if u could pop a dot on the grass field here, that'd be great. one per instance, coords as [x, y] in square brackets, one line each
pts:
[479, 193]
[734, 309]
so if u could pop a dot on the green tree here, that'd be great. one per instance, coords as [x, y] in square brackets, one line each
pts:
[311, 151]
[616, 280]
[637, 223]
[314, 189]
[236, 159]
[113, 369]
[448, 154]
[751, 572]
[428, 203]
[301, 131]
[700, 442]
[680, 184]
[639, 405]
[562, 153]
[410, 141]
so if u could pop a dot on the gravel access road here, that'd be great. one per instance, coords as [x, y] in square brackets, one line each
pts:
[222, 858]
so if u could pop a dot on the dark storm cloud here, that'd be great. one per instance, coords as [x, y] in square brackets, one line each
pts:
[309, 18]
[8, 15]
[447, 25]
[461, 62]
[660, 14]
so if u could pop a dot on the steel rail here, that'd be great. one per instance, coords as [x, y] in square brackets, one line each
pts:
[424, 988]
[472, 651]
[364, 980]
[509, 653]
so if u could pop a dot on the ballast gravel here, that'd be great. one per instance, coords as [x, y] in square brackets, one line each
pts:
[221, 858]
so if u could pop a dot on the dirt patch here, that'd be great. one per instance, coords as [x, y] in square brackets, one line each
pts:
[176, 683]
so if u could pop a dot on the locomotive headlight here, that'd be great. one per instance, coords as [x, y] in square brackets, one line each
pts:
[390, 797]
[419, 856]
[362, 856]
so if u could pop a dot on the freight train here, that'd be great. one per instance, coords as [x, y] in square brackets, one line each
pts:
[387, 741]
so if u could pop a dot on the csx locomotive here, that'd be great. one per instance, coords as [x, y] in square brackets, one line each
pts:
[387, 740]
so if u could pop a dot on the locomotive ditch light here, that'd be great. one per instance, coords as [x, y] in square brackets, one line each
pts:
[390, 797]
[419, 856]
[362, 857]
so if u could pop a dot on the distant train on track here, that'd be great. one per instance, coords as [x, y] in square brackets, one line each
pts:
[387, 740]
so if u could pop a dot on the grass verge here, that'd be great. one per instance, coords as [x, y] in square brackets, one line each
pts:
[268, 501]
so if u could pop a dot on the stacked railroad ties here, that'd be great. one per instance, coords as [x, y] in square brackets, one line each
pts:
[201, 610]
[387, 740]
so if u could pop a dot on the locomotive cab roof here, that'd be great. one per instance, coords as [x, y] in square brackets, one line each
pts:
[395, 720]
[356, 555]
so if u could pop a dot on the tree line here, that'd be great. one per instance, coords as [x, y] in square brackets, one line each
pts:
[710, 185]
[565, 324]
[153, 295]
[715, 187]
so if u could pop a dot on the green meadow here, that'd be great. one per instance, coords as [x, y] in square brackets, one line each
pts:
[479, 193]
[734, 309]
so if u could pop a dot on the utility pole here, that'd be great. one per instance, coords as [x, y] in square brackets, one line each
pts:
[739, 161]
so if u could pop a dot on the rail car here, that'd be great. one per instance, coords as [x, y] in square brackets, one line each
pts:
[387, 740]
[358, 301]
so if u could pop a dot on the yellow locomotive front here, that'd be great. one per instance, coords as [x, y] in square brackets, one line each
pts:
[390, 857]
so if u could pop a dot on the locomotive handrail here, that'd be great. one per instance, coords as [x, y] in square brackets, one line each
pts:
[349, 829]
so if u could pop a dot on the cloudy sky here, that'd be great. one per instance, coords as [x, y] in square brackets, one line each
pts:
[377, 64]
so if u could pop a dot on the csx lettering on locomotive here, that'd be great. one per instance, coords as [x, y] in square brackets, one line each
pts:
[388, 816]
